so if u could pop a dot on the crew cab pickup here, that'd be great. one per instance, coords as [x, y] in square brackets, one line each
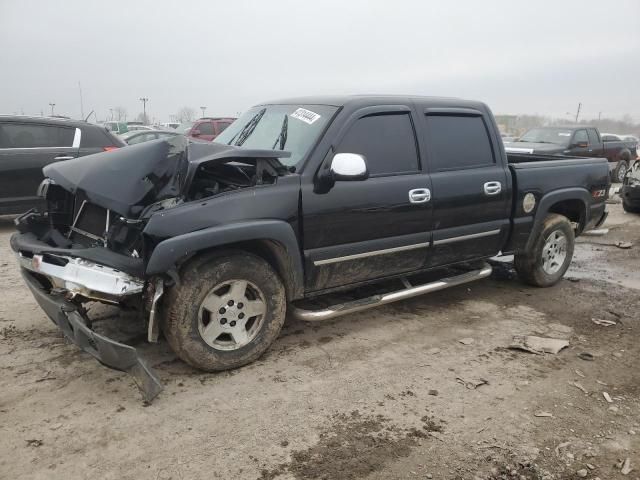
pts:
[577, 140]
[216, 242]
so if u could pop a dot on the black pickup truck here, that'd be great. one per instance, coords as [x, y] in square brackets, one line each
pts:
[580, 140]
[216, 242]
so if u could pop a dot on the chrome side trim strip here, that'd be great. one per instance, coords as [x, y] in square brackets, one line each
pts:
[377, 300]
[466, 237]
[372, 253]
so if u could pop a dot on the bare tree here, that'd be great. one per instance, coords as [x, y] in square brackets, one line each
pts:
[120, 113]
[186, 114]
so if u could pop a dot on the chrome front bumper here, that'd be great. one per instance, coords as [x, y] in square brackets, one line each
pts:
[77, 276]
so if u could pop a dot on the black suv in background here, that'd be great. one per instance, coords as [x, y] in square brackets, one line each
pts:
[27, 144]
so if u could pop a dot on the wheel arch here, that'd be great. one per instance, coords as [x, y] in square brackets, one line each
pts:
[573, 203]
[272, 240]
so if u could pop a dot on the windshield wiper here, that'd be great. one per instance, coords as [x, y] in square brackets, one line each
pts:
[282, 137]
[248, 129]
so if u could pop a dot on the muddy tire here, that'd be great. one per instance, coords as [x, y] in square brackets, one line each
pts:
[550, 255]
[225, 313]
[620, 171]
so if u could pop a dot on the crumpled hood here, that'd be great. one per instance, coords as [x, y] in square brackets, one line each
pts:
[129, 179]
[530, 147]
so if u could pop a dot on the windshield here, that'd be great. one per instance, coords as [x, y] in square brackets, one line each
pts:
[559, 136]
[294, 128]
[184, 127]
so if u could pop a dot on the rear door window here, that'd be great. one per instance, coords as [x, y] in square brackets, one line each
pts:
[387, 142]
[458, 142]
[33, 135]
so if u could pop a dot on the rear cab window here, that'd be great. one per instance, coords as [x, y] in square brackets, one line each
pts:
[387, 141]
[457, 142]
[205, 128]
[33, 135]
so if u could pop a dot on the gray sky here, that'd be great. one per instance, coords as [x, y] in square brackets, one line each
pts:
[534, 56]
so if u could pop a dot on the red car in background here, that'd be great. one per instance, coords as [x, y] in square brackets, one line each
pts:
[206, 128]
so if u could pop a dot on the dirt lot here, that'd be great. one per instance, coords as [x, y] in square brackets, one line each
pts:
[383, 394]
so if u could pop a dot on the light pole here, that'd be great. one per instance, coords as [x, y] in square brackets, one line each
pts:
[52, 105]
[203, 109]
[144, 101]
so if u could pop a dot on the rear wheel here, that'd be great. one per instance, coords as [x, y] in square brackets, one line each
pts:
[550, 255]
[227, 310]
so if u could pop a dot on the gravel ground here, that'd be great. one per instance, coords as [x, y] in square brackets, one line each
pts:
[387, 393]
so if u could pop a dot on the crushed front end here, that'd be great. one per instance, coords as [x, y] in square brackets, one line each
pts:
[64, 270]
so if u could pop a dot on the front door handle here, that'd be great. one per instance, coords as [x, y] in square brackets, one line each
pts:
[419, 195]
[492, 188]
[64, 157]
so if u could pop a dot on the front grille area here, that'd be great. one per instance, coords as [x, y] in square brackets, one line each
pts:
[89, 222]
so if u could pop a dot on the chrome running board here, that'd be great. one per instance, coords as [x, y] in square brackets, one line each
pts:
[377, 300]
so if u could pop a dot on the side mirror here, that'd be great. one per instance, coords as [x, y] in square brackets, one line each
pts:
[349, 167]
[195, 133]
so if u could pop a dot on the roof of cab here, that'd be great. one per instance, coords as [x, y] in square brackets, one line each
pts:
[365, 100]
[48, 120]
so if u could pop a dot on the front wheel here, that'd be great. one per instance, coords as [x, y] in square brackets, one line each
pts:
[227, 310]
[550, 255]
[620, 171]
[629, 208]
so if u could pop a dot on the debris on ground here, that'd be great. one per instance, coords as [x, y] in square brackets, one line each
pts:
[625, 467]
[579, 373]
[583, 472]
[35, 442]
[596, 233]
[607, 397]
[604, 323]
[433, 392]
[538, 345]
[433, 351]
[579, 386]
[466, 341]
[624, 245]
[543, 414]
[472, 384]
[561, 446]
[586, 356]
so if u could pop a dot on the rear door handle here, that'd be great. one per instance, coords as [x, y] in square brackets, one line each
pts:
[419, 195]
[64, 157]
[492, 188]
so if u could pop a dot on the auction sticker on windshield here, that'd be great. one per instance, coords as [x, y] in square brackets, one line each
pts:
[307, 116]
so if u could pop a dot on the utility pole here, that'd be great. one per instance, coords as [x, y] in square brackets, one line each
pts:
[81, 106]
[203, 109]
[599, 116]
[144, 101]
[52, 105]
[578, 112]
